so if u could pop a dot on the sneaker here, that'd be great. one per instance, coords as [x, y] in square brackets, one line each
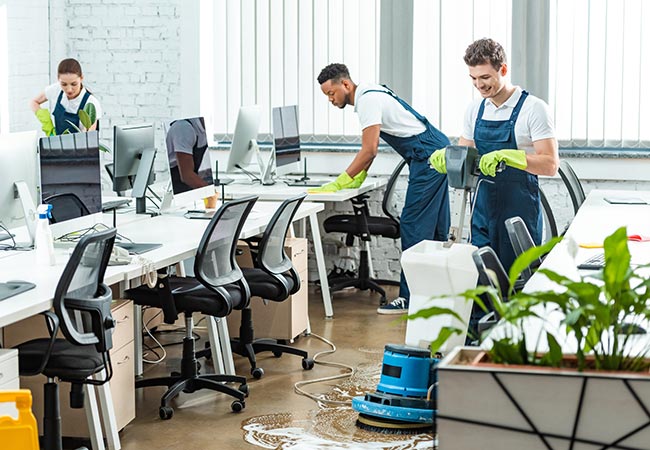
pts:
[398, 306]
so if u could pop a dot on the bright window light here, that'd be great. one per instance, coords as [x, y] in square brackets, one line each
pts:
[4, 71]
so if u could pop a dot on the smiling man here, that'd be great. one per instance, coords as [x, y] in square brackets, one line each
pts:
[510, 125]
[383, 114]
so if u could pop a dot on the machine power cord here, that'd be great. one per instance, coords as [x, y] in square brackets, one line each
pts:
[297, 387]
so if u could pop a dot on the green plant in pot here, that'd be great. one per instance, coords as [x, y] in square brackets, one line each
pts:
[87, 117]
[590, 386]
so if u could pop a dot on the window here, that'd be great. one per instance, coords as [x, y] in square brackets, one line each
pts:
[442, 89]
[599, 54]
[270, 53]
[4, 71]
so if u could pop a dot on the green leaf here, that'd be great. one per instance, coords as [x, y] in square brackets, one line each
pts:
[443, 336]
[91, 111]
[67, 130]
[553, 357]
[84, 118]
[524, 260]
[432, 311]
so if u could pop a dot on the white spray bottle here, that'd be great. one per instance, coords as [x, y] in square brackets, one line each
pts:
[43, 241]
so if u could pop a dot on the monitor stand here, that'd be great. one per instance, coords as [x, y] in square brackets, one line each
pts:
[266, 169]
[4, 236]
[141, 180]
[29, 208]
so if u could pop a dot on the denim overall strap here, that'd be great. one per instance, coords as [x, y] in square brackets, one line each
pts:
[513, 192]
[62, 118]
[425, 215]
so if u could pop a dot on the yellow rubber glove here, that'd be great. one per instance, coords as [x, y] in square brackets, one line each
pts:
[358, 180]
[513, 158]
[43, 116]
[343, 181]
[437, 161]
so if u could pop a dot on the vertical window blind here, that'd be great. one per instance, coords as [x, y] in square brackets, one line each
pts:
[271, 52]
[4, 71]
[442, 88]
[599, 55]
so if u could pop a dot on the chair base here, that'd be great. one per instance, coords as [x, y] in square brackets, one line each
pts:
[362, 284]
[249, 350]
[189, 380]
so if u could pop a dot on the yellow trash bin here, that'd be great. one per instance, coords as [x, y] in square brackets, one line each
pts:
[21, 433]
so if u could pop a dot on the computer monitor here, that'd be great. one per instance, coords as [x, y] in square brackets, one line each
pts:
[69, 164]
[286, 139]
[244, 141]
[133, 156]
[18, 182]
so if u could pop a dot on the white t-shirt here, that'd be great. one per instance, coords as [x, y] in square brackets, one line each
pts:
[72, 106]
[533, 123]
[377, 108]
[181, 138]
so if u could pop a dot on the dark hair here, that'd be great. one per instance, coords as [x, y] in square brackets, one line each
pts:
[485, 51]
[335, 72]
[70, 65]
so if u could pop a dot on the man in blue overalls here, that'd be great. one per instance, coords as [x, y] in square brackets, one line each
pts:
[383, 114]
[508, 125]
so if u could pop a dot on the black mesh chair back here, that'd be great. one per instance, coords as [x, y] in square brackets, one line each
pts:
[490, 270]
[215, 264]
[521, 241]
[393, 201]
[573, 185]
[549, 219]
[81, 289]
[271, 257]
[66, 206]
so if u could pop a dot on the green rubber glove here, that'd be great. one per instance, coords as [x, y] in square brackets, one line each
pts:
[437, 161]
[43, 116]
[343, 181]
[513, 158]
[358, 180]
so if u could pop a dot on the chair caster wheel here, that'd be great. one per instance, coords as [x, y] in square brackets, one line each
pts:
[277, 353]
[165, 412]
[237, 406]
[208, 356]
[243, 388]
[307, 363]
[257, 372]
[382, 301]
[175, 374]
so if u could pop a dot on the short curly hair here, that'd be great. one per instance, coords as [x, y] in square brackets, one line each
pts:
[485, 51]
[335, 72]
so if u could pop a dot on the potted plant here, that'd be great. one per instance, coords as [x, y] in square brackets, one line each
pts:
[564, 368]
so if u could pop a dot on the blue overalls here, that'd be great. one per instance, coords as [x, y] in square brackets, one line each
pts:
[513, 192]
[426, 207]
[61, 116]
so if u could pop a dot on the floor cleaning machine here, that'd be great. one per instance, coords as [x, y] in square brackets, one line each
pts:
[405, 399]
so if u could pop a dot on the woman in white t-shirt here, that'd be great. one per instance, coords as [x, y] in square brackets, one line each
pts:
[65, 99]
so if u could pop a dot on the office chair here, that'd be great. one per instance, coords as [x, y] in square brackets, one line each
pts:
[363, 226]
[490, 273]
[217, 288]
[66, 206]
[521, 241]
[82, 305]
[273, 278]
[573, 185]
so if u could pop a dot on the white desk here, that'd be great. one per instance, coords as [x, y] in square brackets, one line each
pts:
[280, 191]
[595, 220]
[180, 238]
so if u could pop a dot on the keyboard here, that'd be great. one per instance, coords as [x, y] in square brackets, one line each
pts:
[136, 248]
[307, 183]
[14, 287]
[596, 262]
[114, 204]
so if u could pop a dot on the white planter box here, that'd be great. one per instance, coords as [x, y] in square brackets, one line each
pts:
[502, 408]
